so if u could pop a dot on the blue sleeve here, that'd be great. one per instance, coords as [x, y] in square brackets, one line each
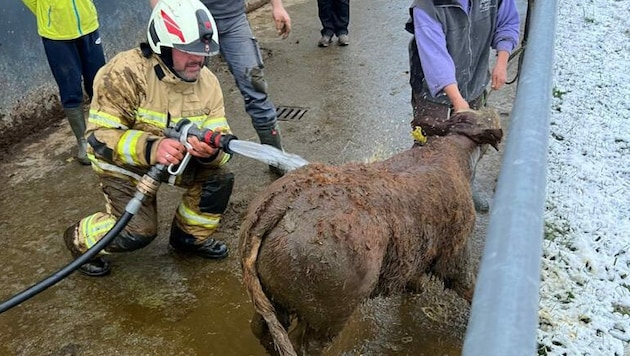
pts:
[506, 36]
[437, 64]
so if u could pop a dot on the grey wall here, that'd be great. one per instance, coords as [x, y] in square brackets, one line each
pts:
[28, 93]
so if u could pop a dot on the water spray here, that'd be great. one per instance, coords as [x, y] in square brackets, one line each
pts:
[231, 144]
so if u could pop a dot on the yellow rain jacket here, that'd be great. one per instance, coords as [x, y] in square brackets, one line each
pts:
[135, 99]
[64, 19]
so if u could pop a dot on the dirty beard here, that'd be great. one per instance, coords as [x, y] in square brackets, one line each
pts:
[188, 76]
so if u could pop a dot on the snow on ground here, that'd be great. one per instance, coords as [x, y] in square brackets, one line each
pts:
[585, 290]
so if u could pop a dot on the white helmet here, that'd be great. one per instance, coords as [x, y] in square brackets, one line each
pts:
[185, 25]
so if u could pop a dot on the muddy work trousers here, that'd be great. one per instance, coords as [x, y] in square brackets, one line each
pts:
[239, 48]
[198, 214]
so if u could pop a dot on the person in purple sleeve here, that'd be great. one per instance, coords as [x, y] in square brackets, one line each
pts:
[449, 57]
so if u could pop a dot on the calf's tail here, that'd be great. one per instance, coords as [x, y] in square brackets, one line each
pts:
[262, 304]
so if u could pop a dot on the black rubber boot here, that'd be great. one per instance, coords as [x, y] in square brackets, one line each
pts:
[96, 267]
[208, 248]
[481, 203]
[272, 137]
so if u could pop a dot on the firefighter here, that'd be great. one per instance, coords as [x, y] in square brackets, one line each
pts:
[241, 52]
[138, 94]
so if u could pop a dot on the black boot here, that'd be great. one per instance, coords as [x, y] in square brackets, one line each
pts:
[481, 203]
[272, 137]
[208, 248]
[96, 267]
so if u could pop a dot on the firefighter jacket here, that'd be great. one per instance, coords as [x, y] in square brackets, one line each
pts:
[135, 99]
[64, 19]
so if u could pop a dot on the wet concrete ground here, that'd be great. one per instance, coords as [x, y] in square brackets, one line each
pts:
[157, 302]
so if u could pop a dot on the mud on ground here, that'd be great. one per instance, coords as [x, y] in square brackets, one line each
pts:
[31, 119]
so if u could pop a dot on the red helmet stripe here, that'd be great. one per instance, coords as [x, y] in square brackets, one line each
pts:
[172, 27]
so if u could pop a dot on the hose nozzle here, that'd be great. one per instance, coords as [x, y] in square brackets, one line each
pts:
[224, 142]
[185, 128]
[215, 139]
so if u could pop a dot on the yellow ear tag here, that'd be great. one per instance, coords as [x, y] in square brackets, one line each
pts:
[418, 135]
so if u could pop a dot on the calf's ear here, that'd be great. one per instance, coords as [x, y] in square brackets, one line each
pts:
[492, 137]
[481, 126]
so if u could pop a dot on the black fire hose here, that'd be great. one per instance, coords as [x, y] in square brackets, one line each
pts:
[521, 50]
[69, 268]
[147, 187]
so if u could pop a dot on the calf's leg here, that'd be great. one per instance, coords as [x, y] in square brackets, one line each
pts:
[456, 272]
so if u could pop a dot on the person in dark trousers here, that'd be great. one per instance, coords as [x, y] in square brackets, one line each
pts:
[335, 17]
[449, 56]
[69, 31]
[239, 48]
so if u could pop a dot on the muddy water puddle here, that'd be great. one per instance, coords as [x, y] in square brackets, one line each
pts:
[157, 302]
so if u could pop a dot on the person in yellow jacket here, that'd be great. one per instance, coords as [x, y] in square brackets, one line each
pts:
[69, 31]
[138, 94]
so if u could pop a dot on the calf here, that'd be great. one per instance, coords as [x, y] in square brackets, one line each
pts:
[323, 239]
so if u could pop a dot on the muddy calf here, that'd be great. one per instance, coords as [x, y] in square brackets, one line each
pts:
[322, 239]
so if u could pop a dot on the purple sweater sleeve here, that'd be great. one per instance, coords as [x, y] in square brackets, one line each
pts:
[507, 33]
[437, 64]
[431, 44]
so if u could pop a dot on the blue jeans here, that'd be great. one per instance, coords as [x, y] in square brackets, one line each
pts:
[334, 16]
[240, 50]
[72, 60]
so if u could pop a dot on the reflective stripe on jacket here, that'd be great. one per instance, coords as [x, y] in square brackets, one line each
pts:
[64, 19]
[132, 105]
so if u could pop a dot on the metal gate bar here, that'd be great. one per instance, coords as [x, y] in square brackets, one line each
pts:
[504, 315]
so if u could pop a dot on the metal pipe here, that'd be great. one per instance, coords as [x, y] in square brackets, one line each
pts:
[504, 315]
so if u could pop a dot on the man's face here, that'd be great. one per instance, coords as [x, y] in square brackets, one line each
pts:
[187, 65]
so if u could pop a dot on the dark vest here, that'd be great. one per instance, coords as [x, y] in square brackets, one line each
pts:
[224, 9]
[468, 41]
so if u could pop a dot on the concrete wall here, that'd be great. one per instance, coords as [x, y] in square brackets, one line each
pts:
[28, 93]
[27, 84]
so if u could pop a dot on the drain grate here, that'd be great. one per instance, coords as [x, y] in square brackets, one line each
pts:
[286, 113]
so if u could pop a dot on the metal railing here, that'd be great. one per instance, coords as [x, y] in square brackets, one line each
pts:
[504, 315]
